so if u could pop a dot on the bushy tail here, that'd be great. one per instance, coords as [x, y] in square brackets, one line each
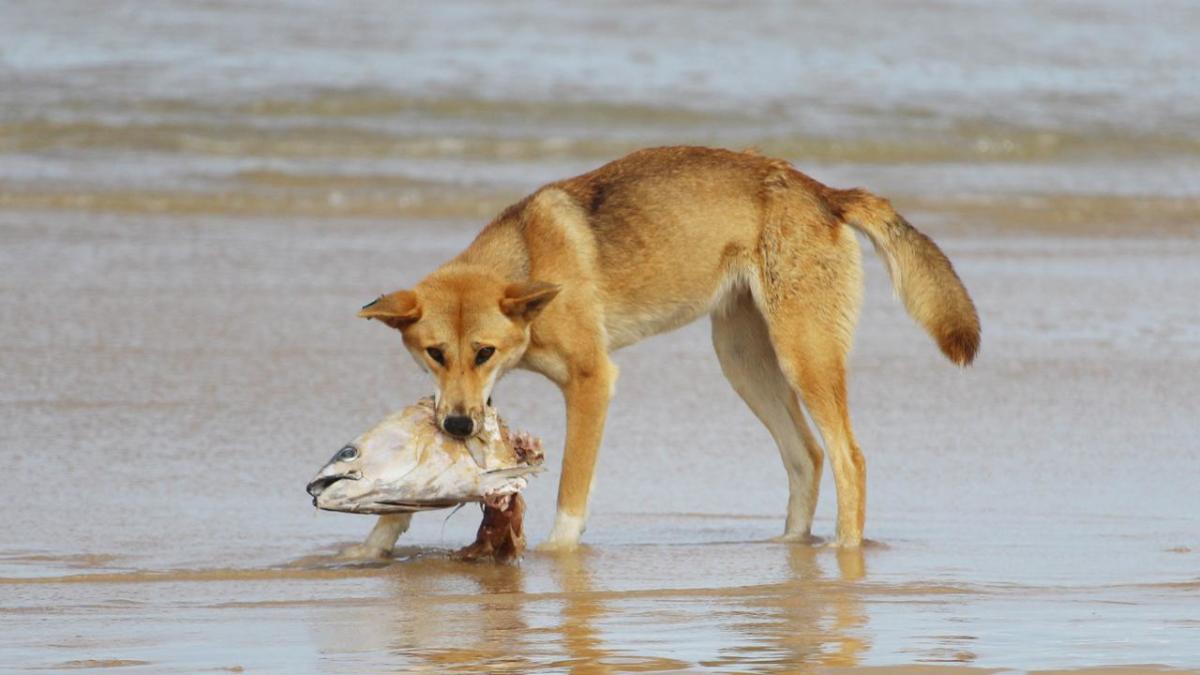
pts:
[922, 275]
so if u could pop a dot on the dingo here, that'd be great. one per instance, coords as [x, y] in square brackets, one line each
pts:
[653, 241]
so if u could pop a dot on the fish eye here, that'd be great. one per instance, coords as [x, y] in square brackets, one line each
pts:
[483, 355]
[437, 355]
[346, 454]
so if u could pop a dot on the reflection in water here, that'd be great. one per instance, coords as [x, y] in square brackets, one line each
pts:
[810, 619]
[481, 626]
[433, 614]
[819, 620]
[580, 610]
[584, 609]
[849, 616]
[449, 616]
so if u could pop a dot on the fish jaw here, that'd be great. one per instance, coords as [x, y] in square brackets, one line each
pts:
[377, 496]
[441, 480]
[380, 507]
[424, 489]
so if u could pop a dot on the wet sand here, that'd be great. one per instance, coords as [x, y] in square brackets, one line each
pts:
[181, 259]
[166, 407]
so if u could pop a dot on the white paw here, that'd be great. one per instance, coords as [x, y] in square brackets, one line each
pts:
[799, 538]
[558, 546]
[364, 552]
[565, 535]
[846, 543]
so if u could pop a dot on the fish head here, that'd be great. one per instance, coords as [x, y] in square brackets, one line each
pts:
[466, 327]
[405, 464]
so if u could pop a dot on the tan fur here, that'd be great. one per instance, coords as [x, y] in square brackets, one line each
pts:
[656, 240]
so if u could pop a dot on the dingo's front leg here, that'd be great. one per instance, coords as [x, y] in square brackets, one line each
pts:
[587, 393]
[382, 540]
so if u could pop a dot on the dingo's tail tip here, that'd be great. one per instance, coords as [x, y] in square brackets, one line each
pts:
[960, 345]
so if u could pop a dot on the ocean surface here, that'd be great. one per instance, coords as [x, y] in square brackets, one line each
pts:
[196, 197]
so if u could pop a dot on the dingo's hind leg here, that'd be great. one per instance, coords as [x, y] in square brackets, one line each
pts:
[811, 294]
[818, 372]
[748, 361]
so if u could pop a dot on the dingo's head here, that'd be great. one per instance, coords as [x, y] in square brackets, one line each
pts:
[467, 328]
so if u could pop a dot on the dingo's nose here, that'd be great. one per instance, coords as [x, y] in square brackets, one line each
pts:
[458, 425]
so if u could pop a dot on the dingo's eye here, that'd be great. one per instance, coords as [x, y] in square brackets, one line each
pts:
[346, 454]
[437, 355]
[483, 355]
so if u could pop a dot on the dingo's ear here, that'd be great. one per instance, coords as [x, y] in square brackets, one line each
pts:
[398, 310]
[524, 300]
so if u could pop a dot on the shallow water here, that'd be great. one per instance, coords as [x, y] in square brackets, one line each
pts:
[195, 198]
